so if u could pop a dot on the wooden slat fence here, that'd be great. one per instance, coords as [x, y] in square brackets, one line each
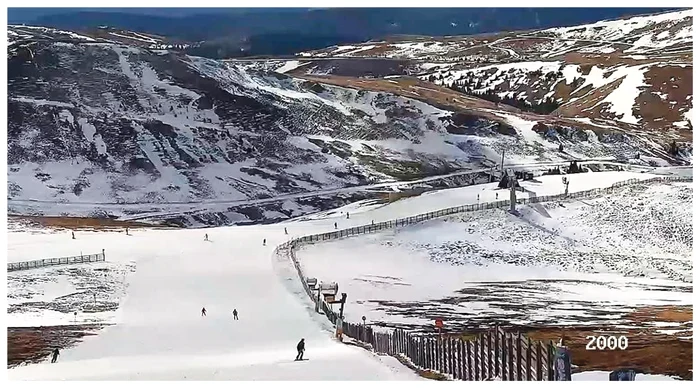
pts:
[495, 354]
[371, 228]
[24, 265]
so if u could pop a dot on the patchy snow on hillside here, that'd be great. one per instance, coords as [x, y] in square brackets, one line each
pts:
[489, 77]
[54, 31]
[289, 66]
[613, 30]
[623, 99]
[50, 296]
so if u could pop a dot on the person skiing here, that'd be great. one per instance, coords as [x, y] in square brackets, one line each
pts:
[54, 355]
[206, 237]
[204, 312]
[72, 234]
[127, 231]
[300, 350]
[347, 215]
[235, 315]
[264, 242]
[285, 231]
[335, 224]
[496, 196]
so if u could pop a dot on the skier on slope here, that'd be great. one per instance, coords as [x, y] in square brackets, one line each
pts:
[206, 237]
[204, 312]
[264, 242]
[72, 234]
[300, 350]
[347, 215]
[235, 315]
[335, 224]
[285, 231]
[54, 355]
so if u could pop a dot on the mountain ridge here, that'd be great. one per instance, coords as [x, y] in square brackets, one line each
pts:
[263, 32]
[124, 119]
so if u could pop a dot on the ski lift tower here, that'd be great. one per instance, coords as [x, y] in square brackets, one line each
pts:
[512, 180]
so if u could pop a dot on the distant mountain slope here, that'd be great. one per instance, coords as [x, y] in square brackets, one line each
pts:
[644, 34]
[635, 71]
[284, 31]
[93, 121]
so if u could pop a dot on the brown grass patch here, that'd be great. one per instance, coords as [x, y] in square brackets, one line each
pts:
[432, 375]
[457, 102]
[82, 222]
[662, 313]
[675, 83]
[648, 350]
[35, 344]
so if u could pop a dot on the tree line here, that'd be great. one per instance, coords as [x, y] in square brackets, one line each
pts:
[472, 86]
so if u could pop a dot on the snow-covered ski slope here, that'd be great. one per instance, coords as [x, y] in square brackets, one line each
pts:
[158, 332]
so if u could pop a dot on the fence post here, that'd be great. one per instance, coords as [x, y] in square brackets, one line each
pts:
[409, 348]
[496, 354]
[436, 353]
[550, 361]
[397, 340]
[477, 362]
[415, 350]
[445, 356]
[504, 360]
[420, 352]
[539, 361]
[470, 363]
[461, 364]
[457, 372]
[451, 355]
[400, 338]
[404, 342]
[440, 359]
[482, 361]
[431, 357]
[519, 357]
[465, 357]
[424, 361]
[529, 359]
[428, 353]
[491, 354]
[514, 357]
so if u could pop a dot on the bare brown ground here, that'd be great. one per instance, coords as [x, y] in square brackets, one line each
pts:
[440, 96]
[34, 344]
[446, 98]
[82, 222]
[675, 84]
[648, 351]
